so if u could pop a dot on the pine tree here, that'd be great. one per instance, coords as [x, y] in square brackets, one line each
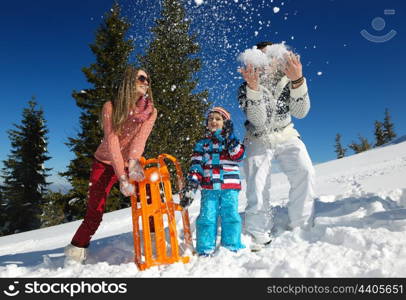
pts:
[379, 134]
[112, 51]
[364, 145]
[355, 147]
[172, 62]
[24, 173]
[3, 215]
[54, 209]
[389, 132]
[339, 148]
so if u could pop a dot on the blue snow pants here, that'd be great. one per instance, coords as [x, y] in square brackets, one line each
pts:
[215, 203]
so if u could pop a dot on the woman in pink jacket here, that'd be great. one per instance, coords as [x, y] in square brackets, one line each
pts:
[127, 123]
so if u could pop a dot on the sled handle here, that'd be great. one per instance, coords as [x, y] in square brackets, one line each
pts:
[179, 173]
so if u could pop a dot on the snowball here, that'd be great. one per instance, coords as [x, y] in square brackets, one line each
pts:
[277, 52]
[154, 177]
[253, 57]
[274, 54]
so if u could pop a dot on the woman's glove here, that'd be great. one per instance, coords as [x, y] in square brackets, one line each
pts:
[135, 170]
[126, 188]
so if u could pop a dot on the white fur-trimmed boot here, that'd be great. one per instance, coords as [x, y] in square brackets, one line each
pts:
[74, 253]
[257, 244]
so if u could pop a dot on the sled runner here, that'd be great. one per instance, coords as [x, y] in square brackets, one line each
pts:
[153, 214]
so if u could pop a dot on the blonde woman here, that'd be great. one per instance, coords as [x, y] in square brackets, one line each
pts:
[127, 123]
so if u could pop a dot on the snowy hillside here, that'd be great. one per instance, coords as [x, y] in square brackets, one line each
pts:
[360, 231]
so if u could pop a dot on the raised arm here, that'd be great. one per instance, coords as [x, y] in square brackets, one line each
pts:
[299, 102]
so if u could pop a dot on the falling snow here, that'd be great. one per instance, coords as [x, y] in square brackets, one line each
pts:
[198, 2]
[253, 57]
[223, 29]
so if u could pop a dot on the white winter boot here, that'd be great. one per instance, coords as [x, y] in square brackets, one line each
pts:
[74, 253]
[259, 244]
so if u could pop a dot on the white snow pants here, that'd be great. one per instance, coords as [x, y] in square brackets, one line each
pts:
[295, 162]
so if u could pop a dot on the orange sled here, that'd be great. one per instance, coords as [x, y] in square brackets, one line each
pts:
[153, 214]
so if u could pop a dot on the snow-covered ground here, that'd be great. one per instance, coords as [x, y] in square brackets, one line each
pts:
[360, 231]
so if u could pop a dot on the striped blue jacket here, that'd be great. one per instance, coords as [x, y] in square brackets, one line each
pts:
[215, 164]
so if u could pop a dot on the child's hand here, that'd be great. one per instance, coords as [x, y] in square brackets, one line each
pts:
[228, 128]
[231, 140]
[187, 199]
[188, 193]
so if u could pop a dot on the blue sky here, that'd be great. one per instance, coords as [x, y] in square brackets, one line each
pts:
[45, 44]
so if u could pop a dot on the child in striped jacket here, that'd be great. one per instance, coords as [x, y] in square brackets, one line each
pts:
[215, 168]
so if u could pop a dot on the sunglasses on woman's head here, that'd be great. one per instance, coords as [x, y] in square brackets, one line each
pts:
[143, 78]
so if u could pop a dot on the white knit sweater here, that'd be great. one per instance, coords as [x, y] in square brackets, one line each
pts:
[269, 110]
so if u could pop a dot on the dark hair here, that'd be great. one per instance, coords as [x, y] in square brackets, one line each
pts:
[262, 45]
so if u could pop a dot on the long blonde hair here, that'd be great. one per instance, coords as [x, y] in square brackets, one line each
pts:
[125, 98]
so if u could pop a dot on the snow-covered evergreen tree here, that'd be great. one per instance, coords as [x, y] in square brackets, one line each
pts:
[172, 62]
[55, 209]
[389, 131]
[112, 51]
[3, 216]
[364, 145]
[339, 150]
[379, 134]
[24, 173]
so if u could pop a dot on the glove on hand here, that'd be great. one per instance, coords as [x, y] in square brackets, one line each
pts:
[187, 194]
[228, 128]
[135, 170]
[187, 199]
[228, 131]
[126, 188]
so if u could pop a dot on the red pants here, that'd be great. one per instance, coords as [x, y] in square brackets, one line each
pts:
[102, 179]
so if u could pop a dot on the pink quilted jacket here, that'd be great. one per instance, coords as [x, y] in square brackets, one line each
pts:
[116, 150]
